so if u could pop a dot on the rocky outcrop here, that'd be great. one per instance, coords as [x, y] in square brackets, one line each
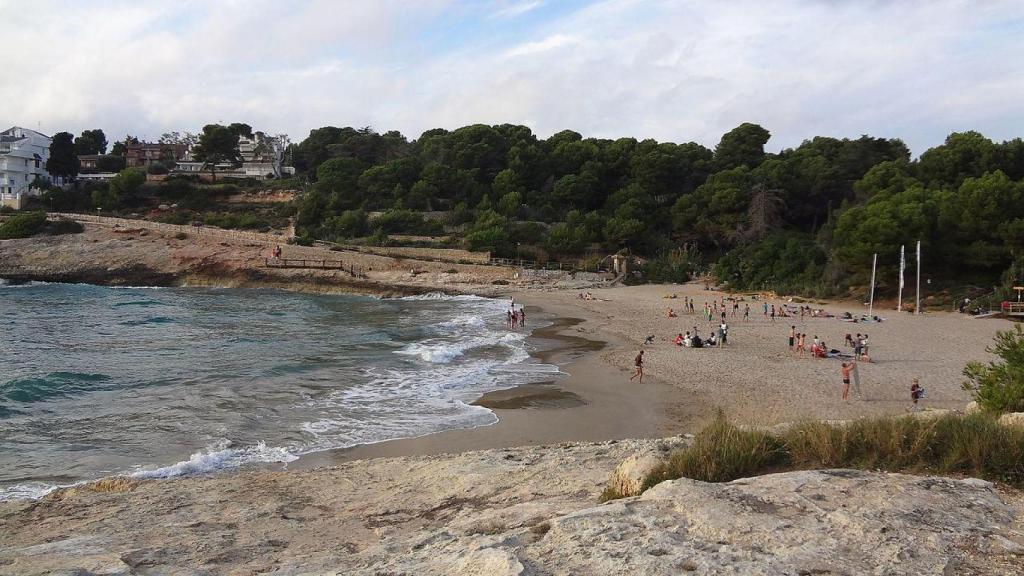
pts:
[522, 511]
[628, 477]
[817, 522]
[1012, 419]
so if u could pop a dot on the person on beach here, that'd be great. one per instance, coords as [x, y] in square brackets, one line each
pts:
[522, 317]
[773, 313]
[671, 313]
[638, 363]
[649, 340]
[735, 308]
[746, 312]
[916, 393]
[691, 306]
[679, 339]
[723, 332]
[846, 381]
[764, 306]
[800, 349]
[792, 338]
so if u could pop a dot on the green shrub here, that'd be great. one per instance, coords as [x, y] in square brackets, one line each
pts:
[999, 386]
[976, 445]
[677, 266]
[23, 225]
[722, 452]
[406, 222]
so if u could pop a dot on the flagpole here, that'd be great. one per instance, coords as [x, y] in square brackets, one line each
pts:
[903, 264]
[917, 302]
[871, 302]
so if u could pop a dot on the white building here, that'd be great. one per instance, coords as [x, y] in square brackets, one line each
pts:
[262, 158]
[23, 156]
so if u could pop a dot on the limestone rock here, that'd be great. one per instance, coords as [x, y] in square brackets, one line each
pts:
[628, 477]
[1012, 419]
[972, 408]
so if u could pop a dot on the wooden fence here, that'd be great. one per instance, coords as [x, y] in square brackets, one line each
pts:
[314, 263]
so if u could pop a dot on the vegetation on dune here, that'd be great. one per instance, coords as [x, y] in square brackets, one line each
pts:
[974, 445]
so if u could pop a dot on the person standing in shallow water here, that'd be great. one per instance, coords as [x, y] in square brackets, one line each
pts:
[522, 317]
[638, 363]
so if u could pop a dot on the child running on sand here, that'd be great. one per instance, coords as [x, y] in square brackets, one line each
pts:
[638, 362]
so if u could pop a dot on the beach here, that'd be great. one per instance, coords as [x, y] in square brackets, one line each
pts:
[524, 492]
[755, 380]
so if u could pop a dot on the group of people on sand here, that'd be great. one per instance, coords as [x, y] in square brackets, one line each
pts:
[692, 339]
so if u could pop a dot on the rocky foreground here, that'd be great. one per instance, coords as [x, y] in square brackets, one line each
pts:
[517, 511]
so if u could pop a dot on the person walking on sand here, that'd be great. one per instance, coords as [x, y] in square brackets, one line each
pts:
[638, 363]
[846, 381]
[746, 313]
[792, 338]
[916, 393]
[764, 307]
[773, 313]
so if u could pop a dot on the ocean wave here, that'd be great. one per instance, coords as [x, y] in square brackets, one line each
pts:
[443, 351]
[463, 321]
[214, 458]
[219, 456]
[440, 296]
[52, 385]
[28, 491]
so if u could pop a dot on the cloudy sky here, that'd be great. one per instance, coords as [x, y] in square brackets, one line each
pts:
[674, 70]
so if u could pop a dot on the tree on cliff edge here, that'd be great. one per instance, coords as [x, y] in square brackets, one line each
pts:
[217, 145]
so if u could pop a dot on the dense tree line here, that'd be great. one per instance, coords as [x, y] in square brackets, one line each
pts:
[804, 219]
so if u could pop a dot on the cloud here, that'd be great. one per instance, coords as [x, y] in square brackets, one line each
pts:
[511, 10]
[671, 70]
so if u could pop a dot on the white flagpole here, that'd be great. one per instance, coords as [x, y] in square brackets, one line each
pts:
[903, 265]
[917, 302]
[871, 302]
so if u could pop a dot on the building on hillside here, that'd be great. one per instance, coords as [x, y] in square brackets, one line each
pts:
[87, 162]
[23, 156]
[138, 154]
[262, 159]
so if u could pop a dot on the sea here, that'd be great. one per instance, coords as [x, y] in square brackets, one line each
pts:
[163, 382]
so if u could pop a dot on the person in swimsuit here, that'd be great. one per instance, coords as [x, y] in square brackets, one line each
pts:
[638, 362]
[792, 337]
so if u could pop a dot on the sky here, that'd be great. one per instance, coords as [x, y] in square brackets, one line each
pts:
[673, 70]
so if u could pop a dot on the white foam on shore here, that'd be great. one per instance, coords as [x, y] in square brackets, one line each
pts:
[219, 457]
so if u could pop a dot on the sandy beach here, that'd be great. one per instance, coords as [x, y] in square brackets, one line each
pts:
[755, 380]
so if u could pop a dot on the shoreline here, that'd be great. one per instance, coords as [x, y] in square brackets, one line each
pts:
[588, 404]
